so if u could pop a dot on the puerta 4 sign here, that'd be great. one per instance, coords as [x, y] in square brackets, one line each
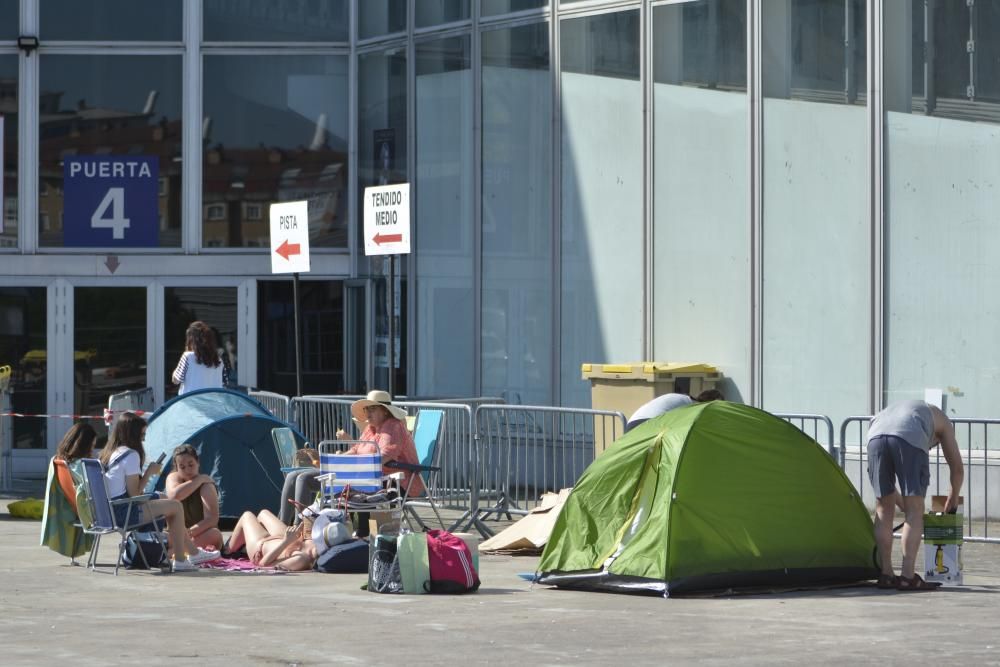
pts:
[111, 201]
[387, 219]
[290, 237]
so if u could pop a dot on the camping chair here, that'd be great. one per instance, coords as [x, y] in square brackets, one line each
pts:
[103, 516]
[286, 449]
[359, 474]
[65, 480]
[426, 432]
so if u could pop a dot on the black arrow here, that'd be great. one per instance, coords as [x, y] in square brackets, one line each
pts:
[112, 263]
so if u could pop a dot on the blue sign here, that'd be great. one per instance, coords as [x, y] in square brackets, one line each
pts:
[111, 201]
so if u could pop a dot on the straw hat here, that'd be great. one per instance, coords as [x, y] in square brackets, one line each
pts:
[376, 397]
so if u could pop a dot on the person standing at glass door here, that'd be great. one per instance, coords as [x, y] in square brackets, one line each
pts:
[200, 367]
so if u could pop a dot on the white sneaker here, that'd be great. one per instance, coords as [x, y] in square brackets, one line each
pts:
[183, 566]
[203, 556]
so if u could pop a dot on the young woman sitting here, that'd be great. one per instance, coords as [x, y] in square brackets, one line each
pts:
[123, 458]
[199, 497]
[271, 543]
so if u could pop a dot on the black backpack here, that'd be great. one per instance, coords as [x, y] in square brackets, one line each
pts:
[149, 546]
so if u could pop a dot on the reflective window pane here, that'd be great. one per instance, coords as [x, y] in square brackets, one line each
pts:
[110, 151]
[700, 311]
[816, 216]
[23, 347]
[601, 189]
[382, 157]
[275, 129]
[128, 20]
[276, 21]
[815, 50]
[444, 244]
[516, 333]
[942, 194]
[216, 307]
[9, 21]
[436, 12]
[109, 346]
[493, 7]
[8, 154]
[381, 17]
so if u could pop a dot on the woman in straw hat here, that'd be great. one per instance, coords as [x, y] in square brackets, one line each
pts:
[384, 424]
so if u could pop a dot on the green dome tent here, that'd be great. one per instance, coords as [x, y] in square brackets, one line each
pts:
[232, 434]
[715, 495]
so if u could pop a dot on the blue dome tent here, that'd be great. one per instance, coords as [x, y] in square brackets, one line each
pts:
[232, 433]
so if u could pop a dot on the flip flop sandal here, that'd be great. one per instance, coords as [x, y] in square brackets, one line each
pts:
[916, 583]
[887, 582]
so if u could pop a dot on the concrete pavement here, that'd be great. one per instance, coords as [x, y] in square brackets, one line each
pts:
[53, 613]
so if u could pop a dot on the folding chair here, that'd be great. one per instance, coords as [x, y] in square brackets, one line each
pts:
[101, 520]
[361, 476]
[426, 432]
[286, 447]
[64, 478]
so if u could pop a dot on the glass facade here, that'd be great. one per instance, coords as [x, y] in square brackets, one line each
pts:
[942, 193]
[8, 151]
[274, 129]
[106, 121]
[276, 21]
[118, 20]
[816, 229]
[701, 239]
[602, 181]
[445, 242]
[516, 314]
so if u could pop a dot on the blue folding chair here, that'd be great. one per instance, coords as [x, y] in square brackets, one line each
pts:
[100, 517]
[285, 447]
[426, 433]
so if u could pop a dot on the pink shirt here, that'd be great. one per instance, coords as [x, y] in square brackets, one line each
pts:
[396, 444]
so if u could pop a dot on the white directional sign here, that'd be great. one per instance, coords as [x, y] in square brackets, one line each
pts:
[387, 219]
[290, 237]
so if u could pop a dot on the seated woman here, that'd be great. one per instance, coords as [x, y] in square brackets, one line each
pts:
[59, 530]
[199, 497]
[385, 425]
[122, 459]
[272, 543]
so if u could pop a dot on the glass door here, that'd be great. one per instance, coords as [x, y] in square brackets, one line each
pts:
[357, 334]
[109, 346]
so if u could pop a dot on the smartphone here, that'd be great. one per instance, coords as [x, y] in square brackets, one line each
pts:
[161, 458]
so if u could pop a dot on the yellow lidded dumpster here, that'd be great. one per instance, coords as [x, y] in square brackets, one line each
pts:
[626, 387]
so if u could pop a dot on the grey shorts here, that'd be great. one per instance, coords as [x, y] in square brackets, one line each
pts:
[891, 458]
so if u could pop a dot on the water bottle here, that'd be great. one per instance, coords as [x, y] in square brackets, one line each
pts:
[155, 477]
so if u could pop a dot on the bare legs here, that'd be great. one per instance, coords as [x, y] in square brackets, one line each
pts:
[913, 530]
[179, 544]
[252, 529]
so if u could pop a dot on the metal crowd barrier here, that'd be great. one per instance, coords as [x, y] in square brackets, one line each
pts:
[981, 488]
[522, 451]
[135, 400]
[816, 427]
[319, 417]
[277, 404]
[6, 443]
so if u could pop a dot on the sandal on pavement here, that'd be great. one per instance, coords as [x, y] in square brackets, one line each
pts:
[915, 583]
[887, 582]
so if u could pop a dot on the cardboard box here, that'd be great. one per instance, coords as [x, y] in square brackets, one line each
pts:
[943, 536]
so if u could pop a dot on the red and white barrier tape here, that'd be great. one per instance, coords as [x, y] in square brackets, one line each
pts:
[107, 416]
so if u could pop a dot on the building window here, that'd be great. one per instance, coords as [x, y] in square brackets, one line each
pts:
[215, 212]
[270, 139]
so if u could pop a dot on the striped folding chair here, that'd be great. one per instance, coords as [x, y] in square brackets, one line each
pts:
[360, 475]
